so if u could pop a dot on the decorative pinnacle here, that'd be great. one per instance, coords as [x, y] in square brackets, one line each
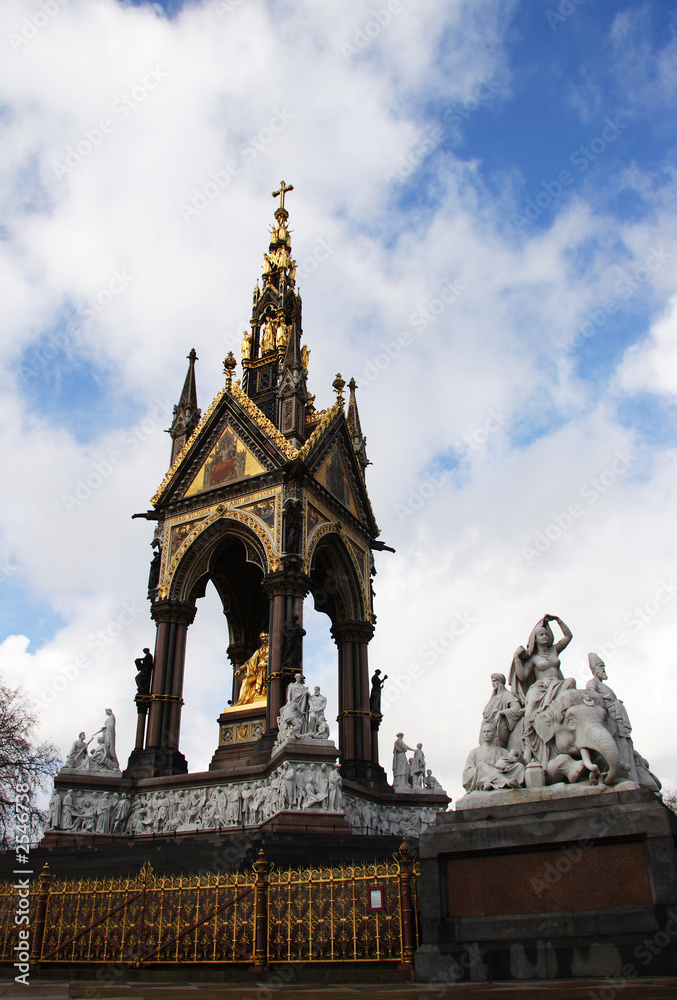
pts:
[192, 357]
[281, 192]
[229, 366]
[339, 385]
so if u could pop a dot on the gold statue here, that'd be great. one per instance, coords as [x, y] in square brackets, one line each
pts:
[246, 345]
[282, 334]
[268, 341]
[254, 674]
[305, 355]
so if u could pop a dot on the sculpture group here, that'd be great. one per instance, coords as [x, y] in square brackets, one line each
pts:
[543, 730]
[409, 773]
[103, 757]
[302, 714]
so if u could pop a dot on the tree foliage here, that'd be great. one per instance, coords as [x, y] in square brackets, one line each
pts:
[669, 796]
[25, 769]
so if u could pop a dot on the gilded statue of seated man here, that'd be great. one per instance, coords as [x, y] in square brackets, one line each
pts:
[254, 674]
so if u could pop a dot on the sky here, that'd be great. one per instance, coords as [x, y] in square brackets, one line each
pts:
[484, 217]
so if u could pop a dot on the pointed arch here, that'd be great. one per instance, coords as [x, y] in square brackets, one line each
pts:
[336, 582]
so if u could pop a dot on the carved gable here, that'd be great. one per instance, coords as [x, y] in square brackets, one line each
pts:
[334, 477]
[229, 461]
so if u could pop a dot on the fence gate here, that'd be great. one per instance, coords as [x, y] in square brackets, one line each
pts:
[270, 915]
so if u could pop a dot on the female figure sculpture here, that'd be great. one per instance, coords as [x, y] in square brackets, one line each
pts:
[536, 679]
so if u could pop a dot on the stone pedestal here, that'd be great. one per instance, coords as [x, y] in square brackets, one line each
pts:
[240, 730]
[535, 885]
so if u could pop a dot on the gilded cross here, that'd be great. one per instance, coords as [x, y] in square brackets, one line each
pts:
[282, 191]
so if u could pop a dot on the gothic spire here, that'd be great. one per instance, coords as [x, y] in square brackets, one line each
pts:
[273, 361]
[186, 413]
[355, 428]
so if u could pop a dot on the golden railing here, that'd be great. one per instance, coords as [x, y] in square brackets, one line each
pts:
[267, 915]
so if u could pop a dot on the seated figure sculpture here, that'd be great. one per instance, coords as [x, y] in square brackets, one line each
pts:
[565, 735]
[490, 765]
[254, 674]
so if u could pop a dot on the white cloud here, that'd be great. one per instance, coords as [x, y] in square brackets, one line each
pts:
[651, 365]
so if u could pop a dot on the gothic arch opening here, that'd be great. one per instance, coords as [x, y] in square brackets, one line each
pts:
[335, 584]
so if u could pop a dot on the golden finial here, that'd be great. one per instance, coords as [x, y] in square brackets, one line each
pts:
[281, 193]
[339, 385]
[229, 366]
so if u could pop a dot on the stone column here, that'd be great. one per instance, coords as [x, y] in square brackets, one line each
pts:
[161, 754]
[286, 589]
[358, 744]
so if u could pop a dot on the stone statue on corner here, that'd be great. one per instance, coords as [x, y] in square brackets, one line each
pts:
[144, 667]
[293, 644]
[401, 764]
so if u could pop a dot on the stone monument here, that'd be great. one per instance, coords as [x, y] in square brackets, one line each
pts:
[265, 498]
[560, 858]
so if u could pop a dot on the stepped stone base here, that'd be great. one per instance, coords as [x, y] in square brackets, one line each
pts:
[550, 888]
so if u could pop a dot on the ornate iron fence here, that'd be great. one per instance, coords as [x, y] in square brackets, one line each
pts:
[342, 913]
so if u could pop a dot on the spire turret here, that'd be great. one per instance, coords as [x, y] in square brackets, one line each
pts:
[355, 428]
[186, 413]
[273, 362]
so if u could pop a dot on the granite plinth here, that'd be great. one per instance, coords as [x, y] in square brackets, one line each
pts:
[536, 885]
[546, 793]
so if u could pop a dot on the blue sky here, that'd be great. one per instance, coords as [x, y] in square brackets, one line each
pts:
[525, 160]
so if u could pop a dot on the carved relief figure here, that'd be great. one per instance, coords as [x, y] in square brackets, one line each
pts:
[54, 821]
